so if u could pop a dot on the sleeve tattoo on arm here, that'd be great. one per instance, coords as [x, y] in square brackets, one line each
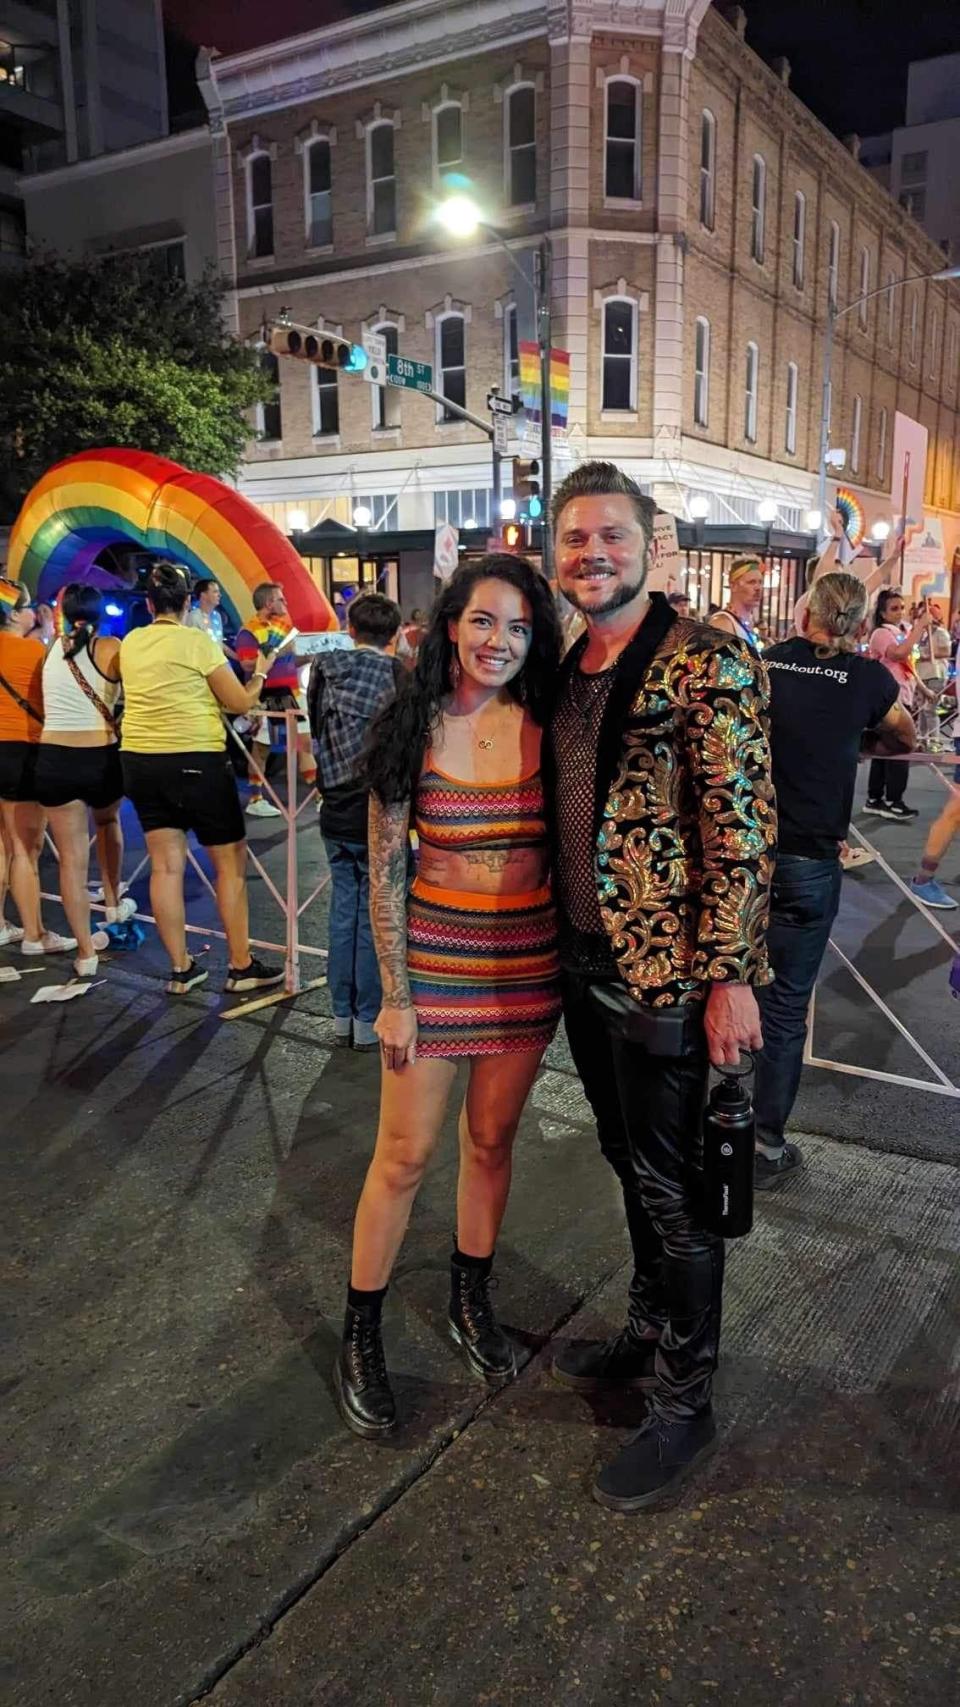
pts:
[389, 827]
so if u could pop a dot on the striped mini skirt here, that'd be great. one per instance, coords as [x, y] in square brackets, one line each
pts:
[484, 971]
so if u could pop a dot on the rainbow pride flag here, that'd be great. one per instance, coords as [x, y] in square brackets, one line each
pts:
[529, 355]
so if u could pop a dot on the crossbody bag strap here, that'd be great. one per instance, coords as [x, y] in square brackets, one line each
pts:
[91, 693]
[24, 704]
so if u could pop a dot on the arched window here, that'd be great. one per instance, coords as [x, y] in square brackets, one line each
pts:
[259, 205]
[623, 140]
[381, 180]
[751, 380]
[933, 371]
[758, 228]
[386, 398]
[325, 402]
[708, 168]
[619, 354]
[520, 165]
[447, 138]
[451, 362]
[790, 428]
[701, 373]
[511, 352]
[891, 307]
[833, 265]
[855, 425]
[317, 193]
[268, 419]
[882, 447]
[914, 318]
[863, 312]
[799, 237]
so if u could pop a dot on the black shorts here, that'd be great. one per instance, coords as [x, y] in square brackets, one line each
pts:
[185, 791]
[90, 774]
[18, 761]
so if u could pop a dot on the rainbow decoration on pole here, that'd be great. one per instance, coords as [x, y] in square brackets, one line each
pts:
[529, 360]
[851, 514]
[107, 497]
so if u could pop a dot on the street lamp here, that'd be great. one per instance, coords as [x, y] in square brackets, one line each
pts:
[813, 518]
[880, 532]
[699, 506]
[362, 516]
[833, 315]
[767, 510]
[462, 218]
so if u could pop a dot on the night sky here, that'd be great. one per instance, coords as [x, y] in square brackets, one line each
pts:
[849, 57]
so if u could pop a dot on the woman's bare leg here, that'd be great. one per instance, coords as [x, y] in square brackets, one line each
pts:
[413, 1102]
[168, 858]
[109, 851]
[230, 869]
[68, 826]
[23, 821]
[497, 1091]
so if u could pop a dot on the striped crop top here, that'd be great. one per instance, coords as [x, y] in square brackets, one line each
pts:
[456, 817]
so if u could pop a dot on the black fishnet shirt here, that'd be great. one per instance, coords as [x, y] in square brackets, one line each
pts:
[575, 733]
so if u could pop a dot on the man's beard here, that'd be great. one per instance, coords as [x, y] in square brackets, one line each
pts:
[621, 595]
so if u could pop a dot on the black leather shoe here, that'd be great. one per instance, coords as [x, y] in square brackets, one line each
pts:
[360, 1376]
[768, 1171]
[650, 1469]
[474, 1327]
[592, 1365]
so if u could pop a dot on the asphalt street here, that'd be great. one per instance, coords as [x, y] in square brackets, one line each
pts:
[186, 1517]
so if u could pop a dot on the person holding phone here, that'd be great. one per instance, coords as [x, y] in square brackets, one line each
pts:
[270, 631]
[176, 683]
[892, 645]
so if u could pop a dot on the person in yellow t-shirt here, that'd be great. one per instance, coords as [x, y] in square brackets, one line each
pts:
[177, 775]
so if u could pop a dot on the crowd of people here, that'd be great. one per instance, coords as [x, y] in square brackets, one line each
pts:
[641, 835]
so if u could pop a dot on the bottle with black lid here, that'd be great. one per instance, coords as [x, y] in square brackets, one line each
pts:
[727, 1157]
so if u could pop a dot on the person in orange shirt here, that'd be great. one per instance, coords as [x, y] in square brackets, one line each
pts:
[22, 820]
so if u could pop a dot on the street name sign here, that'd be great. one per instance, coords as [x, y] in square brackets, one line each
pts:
[413, 376]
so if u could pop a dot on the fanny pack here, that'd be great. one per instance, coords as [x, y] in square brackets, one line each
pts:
[24, 704]
[660, 1031]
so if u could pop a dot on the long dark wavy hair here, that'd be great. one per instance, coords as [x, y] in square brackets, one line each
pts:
[400, 735]
[82, 609]
[883, 599]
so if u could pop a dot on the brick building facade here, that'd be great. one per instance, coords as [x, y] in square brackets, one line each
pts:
[699, 218]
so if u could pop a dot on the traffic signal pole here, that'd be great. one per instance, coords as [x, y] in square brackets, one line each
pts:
[546, 431]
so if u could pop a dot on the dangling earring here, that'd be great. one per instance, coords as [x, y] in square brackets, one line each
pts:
[456, 672]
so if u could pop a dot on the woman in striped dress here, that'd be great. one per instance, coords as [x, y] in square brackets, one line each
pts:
[468, 960]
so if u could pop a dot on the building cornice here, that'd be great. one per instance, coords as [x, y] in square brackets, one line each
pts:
[181, 142]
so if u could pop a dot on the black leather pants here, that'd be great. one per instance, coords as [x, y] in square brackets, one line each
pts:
[648, 1110]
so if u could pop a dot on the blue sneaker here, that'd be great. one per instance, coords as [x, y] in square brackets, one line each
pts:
[932, 894]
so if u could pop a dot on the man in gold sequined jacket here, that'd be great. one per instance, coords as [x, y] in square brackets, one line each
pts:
[657, 772]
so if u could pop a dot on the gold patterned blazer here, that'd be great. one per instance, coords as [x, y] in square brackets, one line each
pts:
[685, 819]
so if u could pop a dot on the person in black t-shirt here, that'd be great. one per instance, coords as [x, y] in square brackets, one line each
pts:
[823, 695]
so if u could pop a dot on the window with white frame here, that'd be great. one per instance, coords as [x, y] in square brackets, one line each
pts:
[708, 169]
[382, 507]
[934, 367]
[447, 138]
[325, 397]
[790, 424]
[521, 145]
[701, 372]
[751, 378]
[386, 398]
[833, 265]
[891, 307]
[882, 447]
[619, 354]
[855, 425]
[317, 190]
[260, 205]
[268, 420]
[451, 362]
[381, 180]
[511, 352]
[471, 506]
[758, 225]
[914, 326]
[623, 140]
[863, 312]
[799, 238]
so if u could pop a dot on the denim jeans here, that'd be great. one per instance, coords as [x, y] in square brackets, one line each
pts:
[803, 906]
[352, 972]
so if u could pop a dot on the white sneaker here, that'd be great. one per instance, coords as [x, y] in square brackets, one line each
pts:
[86, 968]
[263, 808]
[10, 934]
[98, 895]
[50, 943]
[120, 915]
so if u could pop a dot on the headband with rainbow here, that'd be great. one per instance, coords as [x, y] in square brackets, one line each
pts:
[11, 594]
[744, 566]
[103, 497]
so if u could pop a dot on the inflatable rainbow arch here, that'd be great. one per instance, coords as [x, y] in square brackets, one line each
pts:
[104, 497]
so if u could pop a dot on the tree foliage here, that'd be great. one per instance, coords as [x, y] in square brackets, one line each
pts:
[109, 352]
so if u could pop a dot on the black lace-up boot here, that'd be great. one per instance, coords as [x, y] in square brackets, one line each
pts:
[473, 1325]
[360, 1375]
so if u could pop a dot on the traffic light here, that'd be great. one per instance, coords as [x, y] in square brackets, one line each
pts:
[526, 487]
[322, 348]
[515, 537]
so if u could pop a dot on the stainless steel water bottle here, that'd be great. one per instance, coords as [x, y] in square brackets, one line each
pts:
[728, 1157]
